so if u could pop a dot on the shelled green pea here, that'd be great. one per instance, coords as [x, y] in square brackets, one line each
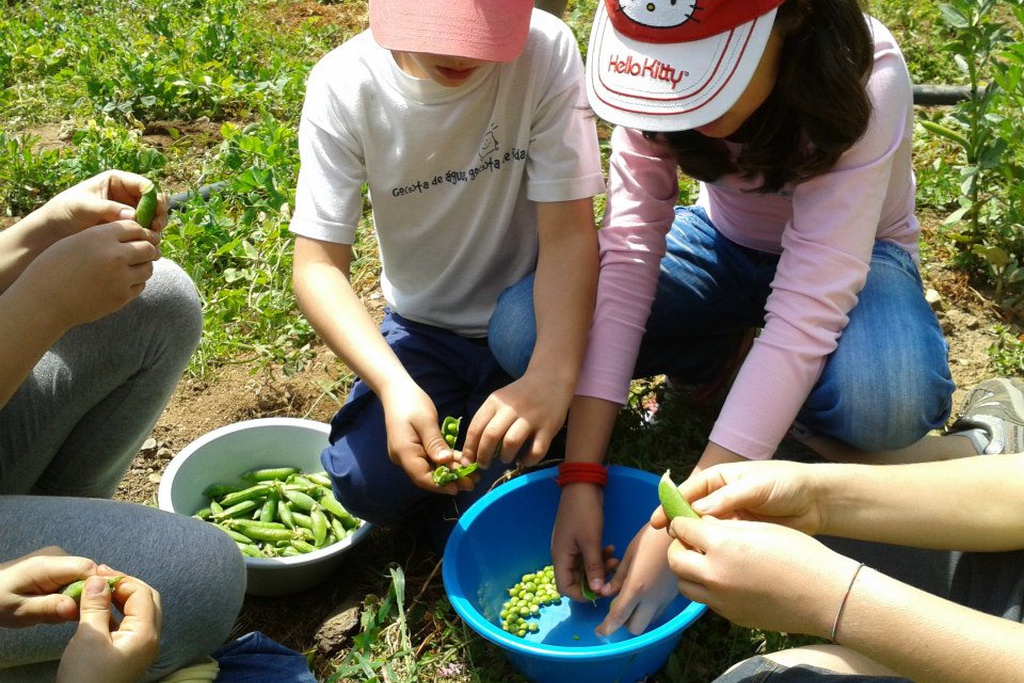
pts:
[533, 592]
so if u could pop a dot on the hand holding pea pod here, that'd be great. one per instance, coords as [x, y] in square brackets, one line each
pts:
[113, 651]
[30, 587]
[517, 422]
[451, 473]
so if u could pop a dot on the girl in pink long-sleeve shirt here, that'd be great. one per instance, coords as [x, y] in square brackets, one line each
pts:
[797, 117]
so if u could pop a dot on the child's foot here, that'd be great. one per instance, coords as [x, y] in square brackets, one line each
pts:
[992, 416]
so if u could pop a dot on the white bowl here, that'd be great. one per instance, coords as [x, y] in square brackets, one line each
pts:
[220, 456]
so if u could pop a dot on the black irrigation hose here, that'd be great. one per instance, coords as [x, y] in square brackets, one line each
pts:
[925, 95]
[205, 191]
[941, 94]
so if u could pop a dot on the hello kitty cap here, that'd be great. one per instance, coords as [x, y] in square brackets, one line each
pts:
[668, 65]
[492, 30]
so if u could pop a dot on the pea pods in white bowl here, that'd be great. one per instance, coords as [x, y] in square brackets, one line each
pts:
[223, 455]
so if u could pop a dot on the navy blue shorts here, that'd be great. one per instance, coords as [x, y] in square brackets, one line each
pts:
[459, 374]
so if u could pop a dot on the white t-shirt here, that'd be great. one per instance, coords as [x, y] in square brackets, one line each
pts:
[452, 174]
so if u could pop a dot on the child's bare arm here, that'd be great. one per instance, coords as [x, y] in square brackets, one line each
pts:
[531, 410]
[326, 298]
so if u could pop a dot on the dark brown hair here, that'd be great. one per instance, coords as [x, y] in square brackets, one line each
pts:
[817, 110]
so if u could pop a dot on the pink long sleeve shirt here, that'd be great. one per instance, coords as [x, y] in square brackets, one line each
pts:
[824, 230]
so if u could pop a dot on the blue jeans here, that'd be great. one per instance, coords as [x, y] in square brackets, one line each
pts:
[886, 385]
[458, 374]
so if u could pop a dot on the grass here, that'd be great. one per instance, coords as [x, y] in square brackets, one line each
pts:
[210, 91]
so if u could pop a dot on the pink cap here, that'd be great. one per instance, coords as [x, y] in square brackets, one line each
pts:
[490, 30]
[664, 66]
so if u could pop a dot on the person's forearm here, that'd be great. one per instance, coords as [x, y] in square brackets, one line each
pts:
[965, 504]
[591, 422]
[715, 455]
[565, 288]
[19, 245]
[926, 638]
[27, 332]
[328, 301]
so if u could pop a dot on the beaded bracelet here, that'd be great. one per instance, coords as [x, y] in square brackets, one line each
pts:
[582, 473]
[842, 605]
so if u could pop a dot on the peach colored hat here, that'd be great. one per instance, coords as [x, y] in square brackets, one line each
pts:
[491, 30]
[661, 65]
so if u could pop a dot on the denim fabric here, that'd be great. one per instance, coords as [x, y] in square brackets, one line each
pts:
[886, 385]
[512, 332]
[458, 374]
[255, 658]
[762, 670]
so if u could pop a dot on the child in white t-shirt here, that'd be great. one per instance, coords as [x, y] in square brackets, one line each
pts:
[466, 122]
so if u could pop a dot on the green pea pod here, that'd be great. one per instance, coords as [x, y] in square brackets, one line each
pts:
[331, 505]
[284, 513]
[301, 500]
[444, 475]
[672, 500]
[145, 210]
[238, 509]
[260, 491]
[450, 430]
[320, 525]
[269, 474]
[585, 588]
[320, 478]
[218, 490]
[269, 510]
[74, 589]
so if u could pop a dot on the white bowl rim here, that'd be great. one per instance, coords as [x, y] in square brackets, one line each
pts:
[164, 489]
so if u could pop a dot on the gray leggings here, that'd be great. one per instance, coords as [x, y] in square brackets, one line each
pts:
[67, 437]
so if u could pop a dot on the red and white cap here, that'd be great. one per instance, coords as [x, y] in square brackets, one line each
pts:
[491, 30]
[667, 65]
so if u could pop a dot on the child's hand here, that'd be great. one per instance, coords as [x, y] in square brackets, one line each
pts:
[92, 273]
[643, 585]
[759, 575]
[526, 413]
[104, 198]
[415, 442]
[772, 491]
[118, 654]
[576, 540]
[30, 585]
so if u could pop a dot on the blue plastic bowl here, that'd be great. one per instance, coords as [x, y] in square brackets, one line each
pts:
[507, 533]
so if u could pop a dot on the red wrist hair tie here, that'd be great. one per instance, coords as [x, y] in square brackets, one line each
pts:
[582, 473]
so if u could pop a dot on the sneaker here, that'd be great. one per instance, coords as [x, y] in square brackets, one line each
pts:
[995, 406]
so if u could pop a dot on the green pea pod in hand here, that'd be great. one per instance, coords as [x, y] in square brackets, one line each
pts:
[74, 589]
[672, 500]
[450, 430]
[444, 475]
[145, 210]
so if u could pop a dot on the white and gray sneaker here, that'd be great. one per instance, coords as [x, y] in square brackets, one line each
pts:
[994, 412]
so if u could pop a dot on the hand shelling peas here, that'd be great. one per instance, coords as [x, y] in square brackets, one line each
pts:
[444, 474]
[279, 512]
[534, 590]
[74, 589]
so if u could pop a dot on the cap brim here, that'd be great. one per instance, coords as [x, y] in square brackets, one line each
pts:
[490, 31]
[671, 86]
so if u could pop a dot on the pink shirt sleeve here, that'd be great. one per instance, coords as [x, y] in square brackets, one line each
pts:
[643, 190]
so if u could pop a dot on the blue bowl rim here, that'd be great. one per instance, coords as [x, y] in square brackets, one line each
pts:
[671, 629]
